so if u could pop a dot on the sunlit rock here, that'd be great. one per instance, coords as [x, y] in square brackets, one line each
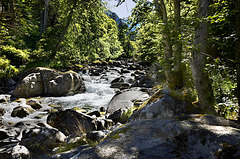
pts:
[125, 100]
[187, 136]
[41, 139]
[48, 82]
[14, 151]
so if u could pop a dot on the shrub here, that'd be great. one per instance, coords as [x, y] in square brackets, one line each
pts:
[17, 56]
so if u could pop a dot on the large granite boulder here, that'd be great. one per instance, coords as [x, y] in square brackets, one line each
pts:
[168, 104]
[48, 82]
[187, 136]
[125, 100]
[71, 122]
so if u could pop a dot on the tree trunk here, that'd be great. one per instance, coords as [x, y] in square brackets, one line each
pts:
[45, 15]
[177, 53]
[198, 63]
[171, 60]
[238, 50]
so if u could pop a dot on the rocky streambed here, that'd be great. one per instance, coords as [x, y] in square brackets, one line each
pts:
[108, 110]
[49, 108]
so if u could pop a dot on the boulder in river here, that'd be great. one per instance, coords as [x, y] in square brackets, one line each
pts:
[71, 122]
[187, 136]
[125, 100]
[21, 111]
[41, 139]
[48, 82]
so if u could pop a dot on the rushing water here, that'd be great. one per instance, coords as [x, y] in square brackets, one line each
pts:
[98, 94]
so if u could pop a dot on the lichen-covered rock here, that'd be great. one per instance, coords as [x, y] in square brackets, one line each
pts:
[48, 82]
[188, 136]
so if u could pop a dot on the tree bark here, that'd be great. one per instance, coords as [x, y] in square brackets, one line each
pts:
[238, 50]
[171, 59]
[198, 63]
[177, 53]
[45, 15]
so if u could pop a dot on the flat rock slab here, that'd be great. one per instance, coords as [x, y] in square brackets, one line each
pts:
[125, 100]
[189, 136]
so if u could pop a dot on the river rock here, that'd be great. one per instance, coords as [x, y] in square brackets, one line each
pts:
[71, 122]
[41, 139]
[188, 136]
[34, 104]
[165, 107]
[97, 135]
[4, 98]
[15, 151]
[125, 100]
[120, 85]
[3, 134]
[2, 111]
[21, 111]
[48, 82]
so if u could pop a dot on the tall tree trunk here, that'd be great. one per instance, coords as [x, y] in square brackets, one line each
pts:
[198, 63]
[238, 50]
[69, 19]
[177, 53]
[171, 66]
[45, 15]
[41, 21]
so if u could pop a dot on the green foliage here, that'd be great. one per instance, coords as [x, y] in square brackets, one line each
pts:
[18, 56]
[224, 85]
[6, 70]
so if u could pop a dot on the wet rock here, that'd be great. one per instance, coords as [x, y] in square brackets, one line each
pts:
[4, 98]
[48, 82]
[2, 111]
[3, 134]
[144, 81]
[94, 113]
[188, 136]
[8, 141]
[71, 122]
[118, 80]
[97, 135]
[14, 151]
[102, 109]
[124, 71]
[138, 72]
[21, 111]
[120, 86]
[103, 124]
[34, 104]
[165, 107]
[41, 139]
[125, 100]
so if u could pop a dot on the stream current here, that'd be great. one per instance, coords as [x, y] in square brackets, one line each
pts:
[98, 94]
